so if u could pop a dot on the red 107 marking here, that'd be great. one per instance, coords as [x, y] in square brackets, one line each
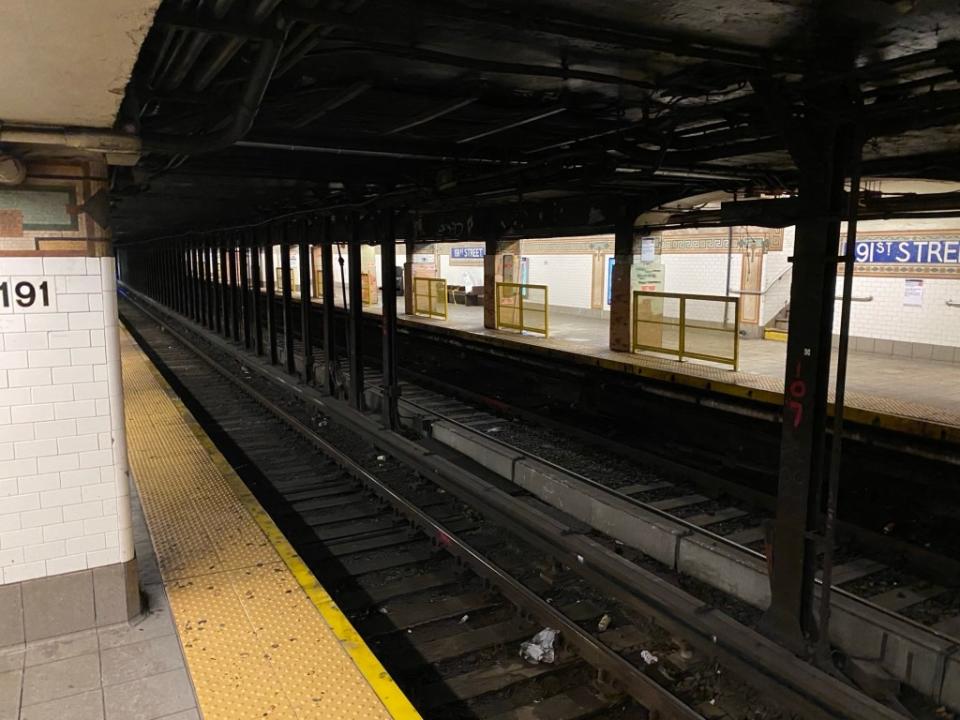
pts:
[797, 391]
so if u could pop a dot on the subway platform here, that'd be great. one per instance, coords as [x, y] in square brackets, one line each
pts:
[902, 394]
[234, 624]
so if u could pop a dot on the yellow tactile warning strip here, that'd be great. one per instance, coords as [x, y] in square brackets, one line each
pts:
[262, 638]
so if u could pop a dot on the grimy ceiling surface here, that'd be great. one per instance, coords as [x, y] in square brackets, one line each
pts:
[435, 104]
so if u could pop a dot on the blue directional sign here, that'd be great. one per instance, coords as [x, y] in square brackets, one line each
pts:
[909, 252]
[468, 253]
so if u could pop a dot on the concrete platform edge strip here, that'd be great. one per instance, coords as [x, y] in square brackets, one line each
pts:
[383, 685]
[921, 658]
[896, 423]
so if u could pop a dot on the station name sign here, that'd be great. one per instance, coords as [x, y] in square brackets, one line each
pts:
[908, 252]
[468, 253]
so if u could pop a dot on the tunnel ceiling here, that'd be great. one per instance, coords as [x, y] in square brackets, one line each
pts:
[438, 104]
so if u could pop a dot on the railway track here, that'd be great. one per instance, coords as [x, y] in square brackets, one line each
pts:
[446, 634]
[803, 688]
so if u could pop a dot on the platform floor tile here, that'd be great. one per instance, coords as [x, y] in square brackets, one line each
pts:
[261, 638]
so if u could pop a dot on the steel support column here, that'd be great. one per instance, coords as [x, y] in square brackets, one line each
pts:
[388, 265]
[820, 153]
[216, 262]
[243, 249]
[195, 283]
[356, 315]
[233, 288]
[306, 293]
[621, 296]
[271, 296]
[256, 248]
[410, 246]
[225, 287]
[329, 312]
[490, 277]
[212, 285]
[287, 294]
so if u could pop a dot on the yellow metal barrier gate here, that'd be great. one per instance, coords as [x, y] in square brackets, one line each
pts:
[430, 297]
[523, 307]
[688, 326]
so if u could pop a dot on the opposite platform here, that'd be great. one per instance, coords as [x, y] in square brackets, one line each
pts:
[260, 635]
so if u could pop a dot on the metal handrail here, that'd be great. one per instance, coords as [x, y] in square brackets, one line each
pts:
[862, 298]
[520, 293]
[432, 309]
[951, 303]
[681, 350]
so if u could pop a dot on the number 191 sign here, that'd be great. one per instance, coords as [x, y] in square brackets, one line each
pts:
[20, 295]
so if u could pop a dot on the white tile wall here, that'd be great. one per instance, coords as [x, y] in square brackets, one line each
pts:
[64, 502]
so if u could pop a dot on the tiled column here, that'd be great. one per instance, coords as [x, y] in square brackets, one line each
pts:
[66, 544]
[501, 263]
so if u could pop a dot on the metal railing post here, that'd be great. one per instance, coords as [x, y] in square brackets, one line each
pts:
[683, 326]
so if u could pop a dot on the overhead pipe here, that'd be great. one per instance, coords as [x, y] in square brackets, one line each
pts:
[243, 115]
[230, 47]
[107, 141]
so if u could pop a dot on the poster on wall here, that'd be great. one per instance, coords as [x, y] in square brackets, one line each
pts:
[913, 292]
[648, 249]
[648, 277]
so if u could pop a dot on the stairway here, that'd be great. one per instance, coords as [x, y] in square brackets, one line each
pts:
[778, 328]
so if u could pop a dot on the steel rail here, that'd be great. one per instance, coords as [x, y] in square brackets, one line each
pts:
[634, 681]
[770, 667]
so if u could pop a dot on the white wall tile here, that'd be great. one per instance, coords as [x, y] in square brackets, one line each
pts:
[78, 443]
[69, 339]
[58, 463]
[13, 556]
[83, 510]
[55, 429]
[23, 266]
[24, 572]
[63, 531]
[12, 324]
[39, 484]
[16, 468]
[85, 543]
[14, 396]
[66, 564]
[78, 477]
[39, 518]
[19, 431]
[88, 356]
[60, 500]
[19, 538]
[46, 551]
[75, 409]
[9, 522]
[64, 266]
[85, 320]
[35, 448]
[85, 284]
[90, 391]
[51, 393]
[29, 378]
[73, 303]
[102, 491]
[48, 358]
[5, 415]
[83, 373]
[46, 321]
[107, 556]
[6, 451]
[25, 341]
[9, 486]
[13, 359]
[31, 413]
